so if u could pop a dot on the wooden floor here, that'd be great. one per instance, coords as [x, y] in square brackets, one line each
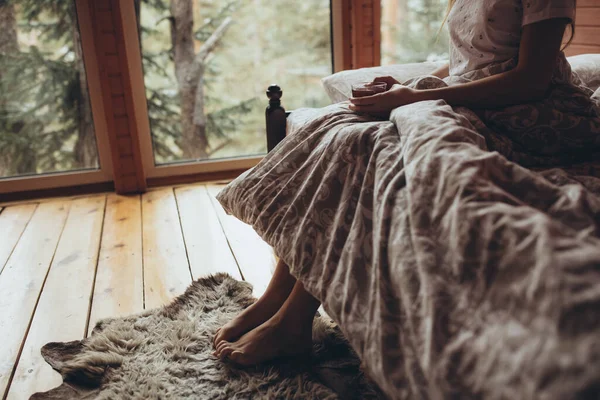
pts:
[66, 263]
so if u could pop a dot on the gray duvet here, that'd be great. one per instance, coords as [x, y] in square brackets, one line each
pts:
[452, 271]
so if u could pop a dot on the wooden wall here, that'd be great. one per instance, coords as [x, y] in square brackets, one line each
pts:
[587, 28]
[365, 32]
[357, 33]
[116, 94]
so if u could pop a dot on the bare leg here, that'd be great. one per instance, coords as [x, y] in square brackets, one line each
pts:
[280, 287]
[287, 333]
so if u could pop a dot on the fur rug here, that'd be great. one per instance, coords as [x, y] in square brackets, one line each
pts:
[166, 353]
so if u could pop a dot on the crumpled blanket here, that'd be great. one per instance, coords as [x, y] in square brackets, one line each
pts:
[453, 271]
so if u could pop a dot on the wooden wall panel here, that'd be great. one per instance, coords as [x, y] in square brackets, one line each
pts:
[588, 35]
[575, 49]
[588, 16]
[365, 30]
[358, 24]
[342, 34]
[128, 171]
[587, 29]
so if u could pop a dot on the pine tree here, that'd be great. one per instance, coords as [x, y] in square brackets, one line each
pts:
[46, 121]
[189, 55]
[10, 145]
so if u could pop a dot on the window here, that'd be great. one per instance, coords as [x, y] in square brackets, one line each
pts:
[46, 122]
[409, 31]
[207, 65]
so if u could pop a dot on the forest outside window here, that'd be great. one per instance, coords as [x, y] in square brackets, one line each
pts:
[46, 120]
[409, 31]
[207, 64]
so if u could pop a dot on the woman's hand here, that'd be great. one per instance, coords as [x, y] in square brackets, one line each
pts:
[382, 104]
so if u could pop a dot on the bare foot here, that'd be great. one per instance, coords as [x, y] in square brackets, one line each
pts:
[271, 340]
[247, 320]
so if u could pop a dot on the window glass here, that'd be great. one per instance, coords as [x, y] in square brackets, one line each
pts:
[45, 116]
[409, 31]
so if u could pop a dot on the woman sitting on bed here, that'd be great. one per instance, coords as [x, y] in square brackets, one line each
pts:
[507, 52]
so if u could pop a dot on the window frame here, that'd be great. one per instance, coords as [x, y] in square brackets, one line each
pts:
[138, 95]
[191, 167]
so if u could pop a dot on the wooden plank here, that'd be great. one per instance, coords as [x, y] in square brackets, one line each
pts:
[589, 16]
[63, 307]
[104, 5]
[575, 49]
[342, 35]
[122, 126]
[13, 221]
[166, 269]
[124, 144]
[42, 199]
[207, 247]
[105, 21]
[587, 35]
[116, 84]
[255, 257]
[120, 110]
[119, 288]
[22, 280]
[588, 3]
[366, 33]
[108, 41]
[112, 64]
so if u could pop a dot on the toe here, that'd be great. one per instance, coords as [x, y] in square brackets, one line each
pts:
[227, 350]
[239, 358]
[221, 346]
[217, 337]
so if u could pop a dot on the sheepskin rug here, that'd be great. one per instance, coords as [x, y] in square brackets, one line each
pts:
[167, 353]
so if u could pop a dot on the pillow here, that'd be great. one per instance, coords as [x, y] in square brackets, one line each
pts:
[587, 67]
[339, 86]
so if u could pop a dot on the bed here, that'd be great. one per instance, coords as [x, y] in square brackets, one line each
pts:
[452, 271]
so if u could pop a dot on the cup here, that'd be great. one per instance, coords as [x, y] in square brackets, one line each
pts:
[368, 88]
